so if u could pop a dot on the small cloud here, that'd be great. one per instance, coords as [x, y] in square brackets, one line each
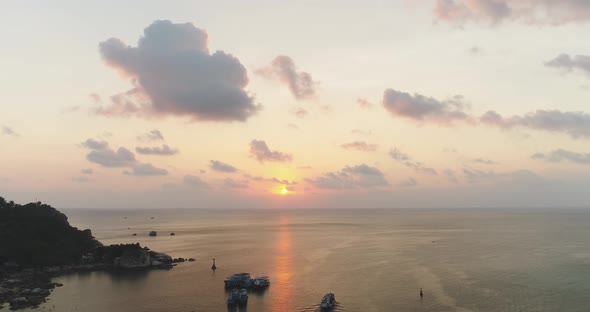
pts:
[283, 69]
[421, 108]
[221, 166]
[408, 183]
[560, 155]
[546, 12]
[195, 181]
[364, 103]
[361, 132]
[153, 135]
[299, 112]
[484, 161]
[262, 153]
[304, 168]
[285, 182]
[575, 124]
[87, 171]
[360, 146]
[570, 63]
[81, 179]
[450, 175]
[233, 184]
[9, 132]
[146, 170]
[475, 50]
[96, 99]
[361, 176]
[403, 158]
[101, 154]
[165, 150]
[293, 126]
[95, 145]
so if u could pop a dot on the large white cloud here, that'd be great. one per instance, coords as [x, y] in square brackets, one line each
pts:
[174, 73]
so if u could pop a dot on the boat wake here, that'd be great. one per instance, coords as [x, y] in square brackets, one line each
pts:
[316, 308]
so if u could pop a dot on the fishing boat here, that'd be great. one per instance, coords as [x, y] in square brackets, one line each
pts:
[328, 302]
[233, 298]
[261, 281]
[240, 280]
[243, 297]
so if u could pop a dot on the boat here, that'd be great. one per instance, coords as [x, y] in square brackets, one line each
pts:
[239, 280]
[243, 297]
[328, 302]
[233, 297]
[261, 281]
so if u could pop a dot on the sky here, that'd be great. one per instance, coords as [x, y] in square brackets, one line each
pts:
[306, 104]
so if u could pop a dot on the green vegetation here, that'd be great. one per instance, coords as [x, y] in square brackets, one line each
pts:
[36, 234]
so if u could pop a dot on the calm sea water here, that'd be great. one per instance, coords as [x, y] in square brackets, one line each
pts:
[373, 260]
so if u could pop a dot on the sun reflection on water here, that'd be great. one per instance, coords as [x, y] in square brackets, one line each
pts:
[281, 285]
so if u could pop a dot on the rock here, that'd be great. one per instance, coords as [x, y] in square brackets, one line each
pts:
[161, 257]
[191, 259]
[172, 234]
[59, 285]
[134, 234]
[153, 233]
[133, 259]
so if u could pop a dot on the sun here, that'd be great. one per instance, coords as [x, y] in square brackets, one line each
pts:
[284, 191]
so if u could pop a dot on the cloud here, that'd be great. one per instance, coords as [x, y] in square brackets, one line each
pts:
[165, 150]
[575, 124]
[221, 166]
[146, 170]
[109, 158]
[408, 183]
[81, 179]
[154, 135]
[361, 176]
[95, 145]
[293, 126]
[9, 131]
[360, 146]
[262, 153]
[174, 73]
[484, 161]
[552, 12]
[421, 108]
[560, 155]
[285, 182]
[195, 181]
[283, 69]
[406, 160]
[570, 63]
[300, 112]
[87, 171]
[524, 177]
[450, 175]
[361, 132]
[100, 153]
[364, 103]
[234, 184]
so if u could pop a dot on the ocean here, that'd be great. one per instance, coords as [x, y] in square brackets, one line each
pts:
[372, 260]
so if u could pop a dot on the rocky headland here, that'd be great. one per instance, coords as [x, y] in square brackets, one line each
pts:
[38, 243]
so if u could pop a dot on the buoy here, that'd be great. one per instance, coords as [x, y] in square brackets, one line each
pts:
[213, 267]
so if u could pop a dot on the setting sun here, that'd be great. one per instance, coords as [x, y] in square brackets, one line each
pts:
[284, 191]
